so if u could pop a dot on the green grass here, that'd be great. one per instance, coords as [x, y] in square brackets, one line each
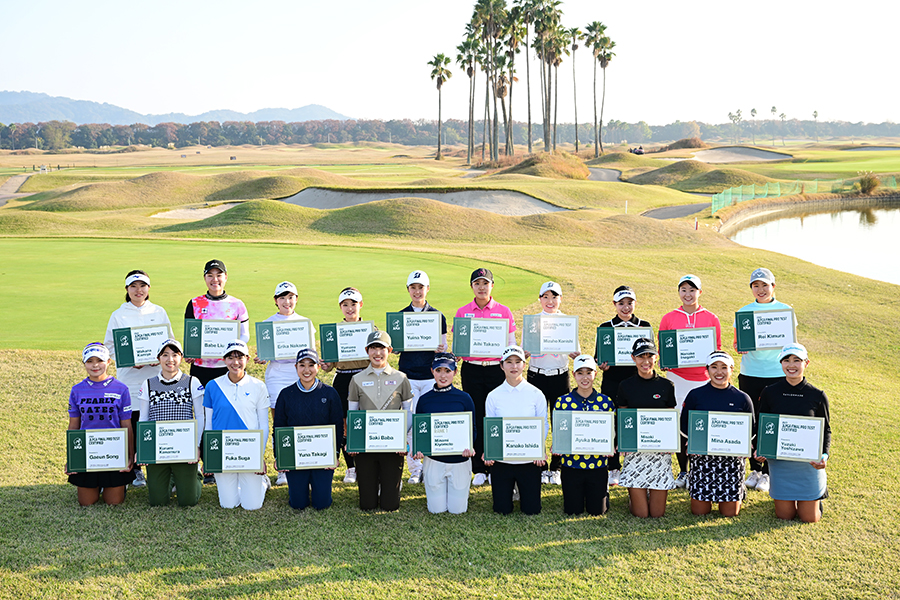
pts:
[829, 164]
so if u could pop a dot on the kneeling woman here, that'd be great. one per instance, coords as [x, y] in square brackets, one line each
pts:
[172, 396]
[797, 487]
[716, 478]
[647, 475]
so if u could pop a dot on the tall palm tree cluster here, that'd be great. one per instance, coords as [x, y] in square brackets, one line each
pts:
[494, 36]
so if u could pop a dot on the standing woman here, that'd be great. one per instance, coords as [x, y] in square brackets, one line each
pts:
[172, 396]
[689, 316]
[136, 311]
[350, 301]
[798, 488]
[760, 368]
[282, 373]
[101, 401]
[215, 304]
[716, 478]
[624, 300]
[647, 475]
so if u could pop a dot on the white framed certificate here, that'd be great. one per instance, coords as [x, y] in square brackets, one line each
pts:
[137, 346]
[376, 431]
[415, 331]
[514, 438]
[89, 450]
[442, 434]
[282, 340]
[345, 341]
[764, 329]
[719, 433]
[208, 338]
[586, 433]
[550, 334]
[298, 448]
[233, 451]
[788, 437]
[159, 442]
[680, 348]
[480, 338]
[648, 430]
[614, 344]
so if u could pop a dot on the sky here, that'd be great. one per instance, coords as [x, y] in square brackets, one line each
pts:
[693, 60]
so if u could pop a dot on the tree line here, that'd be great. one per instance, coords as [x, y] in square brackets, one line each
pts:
[63, 135]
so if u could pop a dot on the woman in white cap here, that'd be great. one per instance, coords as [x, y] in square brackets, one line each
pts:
[798, 488]
[647, 475]
[760, 368]
[238, 401]
[515, 397]
[282, 373]
[100, 401]
[172, 396]
[716, 478]
[350, 301]
[136, 311]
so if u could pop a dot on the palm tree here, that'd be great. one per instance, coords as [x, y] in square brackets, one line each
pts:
[488, 18]
[774, 110]
[439, 73]
[527, 14]
[547, 20]
[560, 47]
[594, 34]
[753, 114]
[604, 55]
[466, 59]
[782, 116]
[575, 36]
[514, 32]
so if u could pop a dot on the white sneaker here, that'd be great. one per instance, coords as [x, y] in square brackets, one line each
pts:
[681, 480]
[545, 477]
[267, 481]
[555, 478]
[282, 479]
[763, 484]
[415, 478]
[139, 480]
[480, 479]
[516, 496]
[614, 477]
[753, 480]
[350, 477]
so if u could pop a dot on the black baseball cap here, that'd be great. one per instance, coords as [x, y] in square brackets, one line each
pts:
[214, 264]
[643, 346]
[481, 273]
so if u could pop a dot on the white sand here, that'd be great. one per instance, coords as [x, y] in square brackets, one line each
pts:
[500, 202]
[194, 214]
[737, 155]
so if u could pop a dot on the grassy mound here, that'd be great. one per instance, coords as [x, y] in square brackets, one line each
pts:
[671, 174]
[253, 220]
[555, 165]
[716, 180]
[622, 159]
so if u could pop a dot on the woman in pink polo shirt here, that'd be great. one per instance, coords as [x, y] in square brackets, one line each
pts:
[690, 316]
[482, 376]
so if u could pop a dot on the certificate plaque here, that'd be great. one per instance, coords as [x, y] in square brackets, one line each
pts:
[614, 344]
[648, 430]
[298, 448]
[90, 450]
[158, 442]
[345, 341]
[208, 338]
[480, 338]
[282, 340]
[412, 331]
[790, 438]
[137, 346]
[719, 433]
[233, 451]
[514, 438]
[550, 334]
[589, 433]
[679, 348]
[764, 329]
[441, 434]
[376, 431]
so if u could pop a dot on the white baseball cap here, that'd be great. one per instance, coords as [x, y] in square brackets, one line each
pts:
[798, 350]
[691, 279]
[236, 346]
[584, 361]
[418, 277]
[170, 342]
[349, 295]
[626, 293]
[284, 287]
[551, 286]
[136, 277]
[513, 351]
[720, 356]
[94, 349]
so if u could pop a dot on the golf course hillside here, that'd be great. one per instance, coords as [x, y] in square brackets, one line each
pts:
[555, 165]
[695, 176]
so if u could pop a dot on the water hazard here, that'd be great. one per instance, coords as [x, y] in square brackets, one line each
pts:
[863, 241]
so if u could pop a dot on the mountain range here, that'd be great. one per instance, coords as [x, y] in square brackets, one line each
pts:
[33, 107]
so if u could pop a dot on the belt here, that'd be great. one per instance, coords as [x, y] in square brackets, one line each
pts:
[350, 371]
[548, 372]
[483, 363]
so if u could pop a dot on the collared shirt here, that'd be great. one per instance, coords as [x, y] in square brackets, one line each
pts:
[387, 390]
[491, 310]
[523, 400]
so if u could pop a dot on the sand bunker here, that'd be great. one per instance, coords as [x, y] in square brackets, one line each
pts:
[869, 148]
[604, 174]
[501, 202]
[736, 155]
[194, 214]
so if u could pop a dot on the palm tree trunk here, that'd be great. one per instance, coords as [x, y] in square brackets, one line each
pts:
[471, 140]
[555, 103]
[486, 132]
[548, 132]
[528, 86]
[602, 106]
[510, 148]
[575, 100]
[438, 157]
[596, 135]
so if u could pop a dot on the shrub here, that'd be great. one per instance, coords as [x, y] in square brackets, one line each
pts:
[868, 181]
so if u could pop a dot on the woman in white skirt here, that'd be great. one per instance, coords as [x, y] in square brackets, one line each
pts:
[647, 475]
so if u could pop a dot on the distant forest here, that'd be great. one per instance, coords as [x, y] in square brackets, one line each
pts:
[62, 135]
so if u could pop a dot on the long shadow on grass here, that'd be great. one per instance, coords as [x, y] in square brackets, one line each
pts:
[206, 551]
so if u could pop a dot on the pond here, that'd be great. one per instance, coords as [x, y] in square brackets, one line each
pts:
[863, 241]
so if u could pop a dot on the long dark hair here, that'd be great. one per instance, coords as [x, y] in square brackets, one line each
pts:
[130, 273]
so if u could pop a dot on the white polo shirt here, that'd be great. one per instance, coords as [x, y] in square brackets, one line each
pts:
[524, 400]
